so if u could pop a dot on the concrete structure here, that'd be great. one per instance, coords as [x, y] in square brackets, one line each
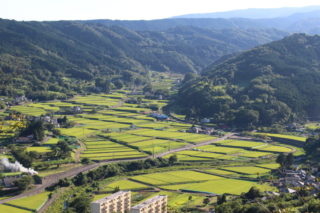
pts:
[119, 202]
[157, 204]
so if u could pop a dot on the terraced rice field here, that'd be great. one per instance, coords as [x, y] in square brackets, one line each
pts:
[126, 185]
[189, 137]
[10, 209]
[220, 186]
[45, 107]
[281, 136]
[99, 149]
[254, 154]
[272, 148]
[51, 141]
[269, 165]
[95, 100]
[41, 149]
[77, 132]
[250, 170]
[241, 143]
[174, 177]
[28, 110]
[221, 172]
[220, 149]
[32, 202]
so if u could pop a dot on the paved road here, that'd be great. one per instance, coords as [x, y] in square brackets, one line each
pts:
[191, 146]
[52, 179]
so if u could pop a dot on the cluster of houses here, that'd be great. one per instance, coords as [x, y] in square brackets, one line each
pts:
[202, 130]
[158, 116]
[292, 179]
[295, 127]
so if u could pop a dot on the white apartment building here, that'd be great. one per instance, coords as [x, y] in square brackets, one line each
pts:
[119, 202]
[157, 204]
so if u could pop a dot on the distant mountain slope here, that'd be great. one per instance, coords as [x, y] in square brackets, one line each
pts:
[304, 22]
[254, 13]
[274, 83]
[69, 57]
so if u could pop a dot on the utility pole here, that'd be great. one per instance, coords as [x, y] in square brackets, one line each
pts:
[152, 149]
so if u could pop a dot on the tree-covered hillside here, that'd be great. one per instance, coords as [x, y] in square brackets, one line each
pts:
[50, 59]
[274, 83]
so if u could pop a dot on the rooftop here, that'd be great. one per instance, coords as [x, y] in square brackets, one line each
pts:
[110, 197]
[149, 201]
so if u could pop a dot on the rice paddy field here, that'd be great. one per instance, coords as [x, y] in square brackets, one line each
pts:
[100, 149]
[29, 110]
[110, 129]
[26, 204]
[187, 181]
[220, 186]
[288, 137]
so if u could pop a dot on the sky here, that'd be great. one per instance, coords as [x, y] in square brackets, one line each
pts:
[42, 10]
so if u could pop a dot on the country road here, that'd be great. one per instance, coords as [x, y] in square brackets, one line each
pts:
[52, 179]
[191, 146]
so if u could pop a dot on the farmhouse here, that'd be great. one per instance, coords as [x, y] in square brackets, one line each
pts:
[8, 181]
[27, 139]
[159, 116]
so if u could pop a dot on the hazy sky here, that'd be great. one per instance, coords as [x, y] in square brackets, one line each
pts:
[129, 9]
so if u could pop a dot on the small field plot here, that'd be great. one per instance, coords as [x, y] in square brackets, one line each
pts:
[10, 209]
[220, 149]
[45, 107]
[206, 155]
[158, 146]
[269, 165]
[173, 177]
[220, 186]
[99, 149]
[189, 137]
[154, 125]
[241, 143]
[51, 141]
[98, 124]
[250, 170]
[288, 137]
[188, 158]
[126, 185]
[32, 202]
[77, 132]
[254, 154]
[132, 109]
[272, 148]
[95, 100]
[41, 149]
[28, 110]
[221, 172]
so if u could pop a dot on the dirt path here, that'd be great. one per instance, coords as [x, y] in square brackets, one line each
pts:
[79, 150]
[53, 179]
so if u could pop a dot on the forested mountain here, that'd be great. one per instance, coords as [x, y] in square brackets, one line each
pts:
[273, 83]
[50, 59]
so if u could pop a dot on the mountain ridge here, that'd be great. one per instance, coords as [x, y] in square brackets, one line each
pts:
[254, 13]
